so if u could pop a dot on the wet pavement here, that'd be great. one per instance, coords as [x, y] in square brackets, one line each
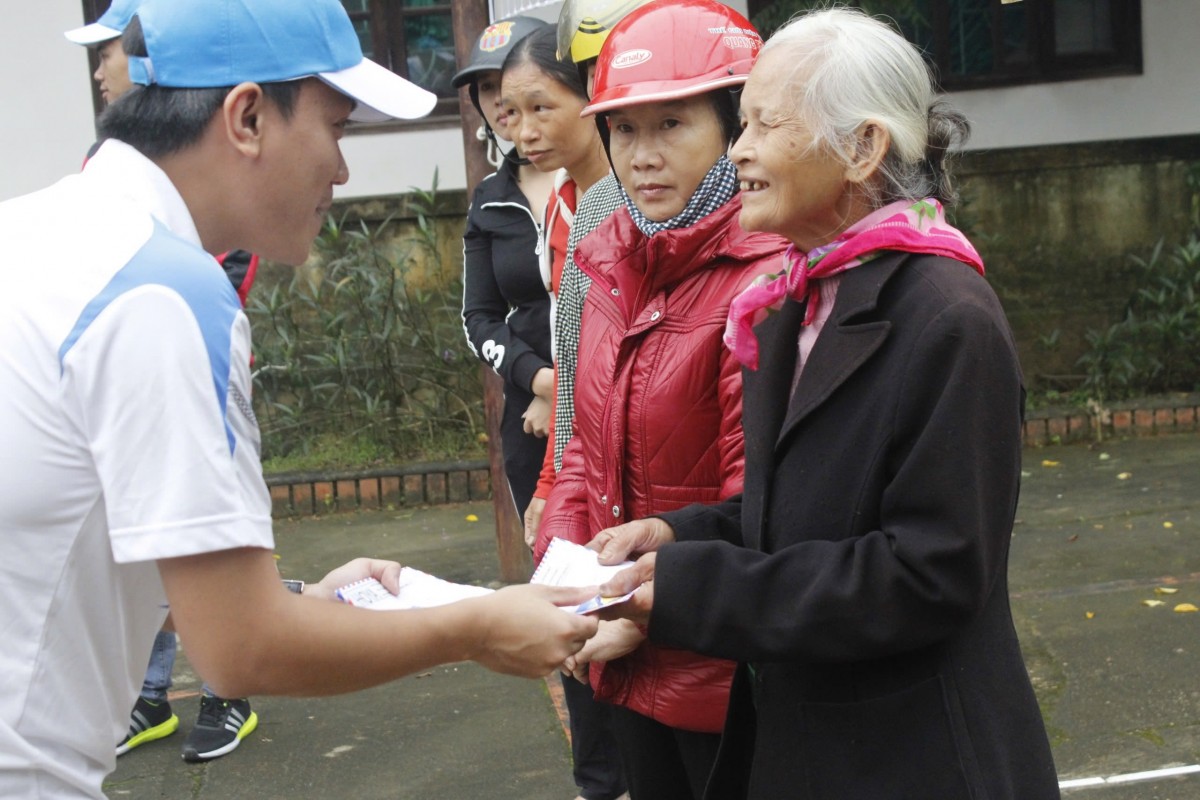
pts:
[1101, 530]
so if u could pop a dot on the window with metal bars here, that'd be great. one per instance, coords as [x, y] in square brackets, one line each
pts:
[985, 43]
[413, 38]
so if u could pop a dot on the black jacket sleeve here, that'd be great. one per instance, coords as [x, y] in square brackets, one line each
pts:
[702, 523]
[486, 311]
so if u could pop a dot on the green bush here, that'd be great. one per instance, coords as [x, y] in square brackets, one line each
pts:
[358, 362]
[1156, 346]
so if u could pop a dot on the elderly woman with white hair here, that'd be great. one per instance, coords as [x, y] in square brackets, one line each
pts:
[860, 579]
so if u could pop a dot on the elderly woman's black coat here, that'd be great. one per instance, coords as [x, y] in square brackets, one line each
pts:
[861, 577]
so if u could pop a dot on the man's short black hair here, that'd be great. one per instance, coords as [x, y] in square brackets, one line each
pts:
[160, 120]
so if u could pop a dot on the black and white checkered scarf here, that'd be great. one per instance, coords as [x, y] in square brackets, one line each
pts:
[718, 188]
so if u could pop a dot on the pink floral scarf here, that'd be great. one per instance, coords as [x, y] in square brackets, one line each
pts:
[918, 227]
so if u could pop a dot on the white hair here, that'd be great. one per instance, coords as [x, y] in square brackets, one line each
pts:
[848, 68]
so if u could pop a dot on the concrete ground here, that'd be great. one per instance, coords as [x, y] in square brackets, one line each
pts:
[1101, 530]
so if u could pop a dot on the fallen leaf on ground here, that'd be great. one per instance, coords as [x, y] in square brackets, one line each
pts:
[1048, 463]
[1124, 476]
[1090, 614]
[1165, 590]
[1184, 608]
[472, 518]
[1168, 524]
[1153, 603]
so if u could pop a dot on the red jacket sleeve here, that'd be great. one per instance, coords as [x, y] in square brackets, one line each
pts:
[547, 476]
[566, 514]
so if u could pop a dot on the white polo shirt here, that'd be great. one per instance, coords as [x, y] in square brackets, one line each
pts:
[126, 436]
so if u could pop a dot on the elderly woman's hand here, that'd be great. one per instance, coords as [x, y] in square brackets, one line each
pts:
[613, 640]
[638, 579]
[640, 536]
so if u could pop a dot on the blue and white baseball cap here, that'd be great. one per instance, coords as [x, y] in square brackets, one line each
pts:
[198, 44]
[110, 25]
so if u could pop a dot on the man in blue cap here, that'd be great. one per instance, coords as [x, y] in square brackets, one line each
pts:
[222, 722]
[129, 474]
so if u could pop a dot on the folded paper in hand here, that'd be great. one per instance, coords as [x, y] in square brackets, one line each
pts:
[417, 590]
[570, 564]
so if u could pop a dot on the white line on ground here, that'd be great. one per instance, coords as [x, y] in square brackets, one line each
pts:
[1130, 777]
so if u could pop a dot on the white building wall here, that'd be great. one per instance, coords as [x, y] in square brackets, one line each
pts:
[48, 123]
[394, 163]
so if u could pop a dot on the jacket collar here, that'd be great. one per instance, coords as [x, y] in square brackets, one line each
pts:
[842, 348]
[128, 173]
[500, 186]
[617, 254]
[765, 398]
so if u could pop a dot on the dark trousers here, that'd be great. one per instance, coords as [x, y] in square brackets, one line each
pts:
[663, 763]
[598, 772]
[523, 452]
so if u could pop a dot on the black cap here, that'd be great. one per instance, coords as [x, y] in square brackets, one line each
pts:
[493, 45]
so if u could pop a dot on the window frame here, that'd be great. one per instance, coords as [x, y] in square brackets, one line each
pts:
[386, 31]
[386, 19]
[1045, 66]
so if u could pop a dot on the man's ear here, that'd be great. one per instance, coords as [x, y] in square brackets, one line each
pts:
[872, 141]
[242, 117]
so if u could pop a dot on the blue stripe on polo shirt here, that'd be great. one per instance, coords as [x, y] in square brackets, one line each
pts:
[166, 260]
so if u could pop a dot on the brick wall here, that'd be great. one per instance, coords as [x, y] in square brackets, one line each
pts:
[459, 482]
[1148, 417]
[410, 485]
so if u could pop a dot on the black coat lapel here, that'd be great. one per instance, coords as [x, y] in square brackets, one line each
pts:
[763, 408]
[847, 340]
[766, 389]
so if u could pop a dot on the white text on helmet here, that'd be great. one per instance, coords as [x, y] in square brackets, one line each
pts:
[631, 58]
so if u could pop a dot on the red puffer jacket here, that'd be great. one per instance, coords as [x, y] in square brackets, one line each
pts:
[658, 419]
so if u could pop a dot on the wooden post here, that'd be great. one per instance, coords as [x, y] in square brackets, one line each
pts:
[469, 17]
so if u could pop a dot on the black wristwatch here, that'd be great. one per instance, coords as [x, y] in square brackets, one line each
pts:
[293, 586]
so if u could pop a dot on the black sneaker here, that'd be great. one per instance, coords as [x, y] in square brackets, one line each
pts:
[148, 721]
[220, 728]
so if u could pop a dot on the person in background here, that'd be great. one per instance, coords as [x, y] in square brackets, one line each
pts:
[506, 308]
[658, 398]
[543, 97]
[221, 723]
[112, 70]
[583, 26]
[130, 479]
[860, 580]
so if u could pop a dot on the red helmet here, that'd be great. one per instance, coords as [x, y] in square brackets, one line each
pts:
[671, 49]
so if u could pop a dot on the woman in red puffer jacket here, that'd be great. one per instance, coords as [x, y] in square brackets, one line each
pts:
[658, 397]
